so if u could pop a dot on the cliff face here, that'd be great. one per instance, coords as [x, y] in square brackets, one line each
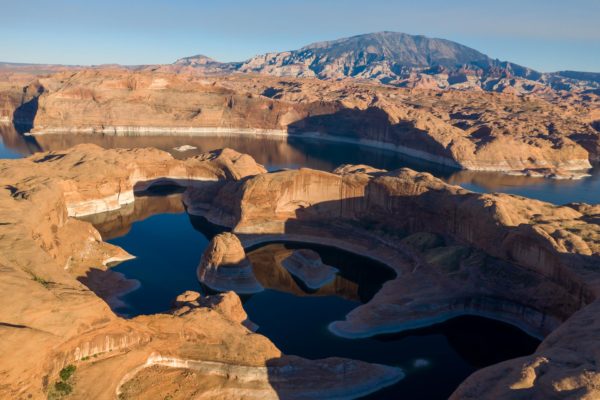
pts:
[523, 261]
[55, 277]
[477, 131]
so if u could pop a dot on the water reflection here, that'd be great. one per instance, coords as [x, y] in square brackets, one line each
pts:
[168, 245]
[114, 224]
[278, 153]
[15, 145]
[358, 278]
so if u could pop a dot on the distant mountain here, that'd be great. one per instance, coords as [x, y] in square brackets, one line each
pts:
[366, 55]
[582, 76]
[406, 60]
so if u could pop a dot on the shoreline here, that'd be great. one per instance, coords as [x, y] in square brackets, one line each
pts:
[390, 375]
[573, 166]
[253, 241]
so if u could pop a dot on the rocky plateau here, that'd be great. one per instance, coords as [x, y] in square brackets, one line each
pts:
[428, 98]
[56, 283]
[454, 252]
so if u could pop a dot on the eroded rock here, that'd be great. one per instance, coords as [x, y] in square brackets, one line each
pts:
[224, 266]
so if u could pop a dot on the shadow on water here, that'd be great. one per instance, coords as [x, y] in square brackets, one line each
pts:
[445, 353]
[294, 318]
[15, 145]
[296, 152]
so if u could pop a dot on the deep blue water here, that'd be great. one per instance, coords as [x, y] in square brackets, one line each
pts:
[167, 250]
[169, 247]
[6, 152]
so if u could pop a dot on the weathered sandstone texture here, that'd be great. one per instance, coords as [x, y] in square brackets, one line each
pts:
[455, 252]
[540, 134]
[224, 266]
[55, 285]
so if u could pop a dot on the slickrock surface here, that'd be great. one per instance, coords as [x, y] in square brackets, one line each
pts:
[289, 377]
[49, 262]
[542, 134]
[307, 266]
[224, 266]
[523, 261]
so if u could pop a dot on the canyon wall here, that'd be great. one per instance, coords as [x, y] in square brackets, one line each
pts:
[55, 288]
[529, 263]
[470, 130]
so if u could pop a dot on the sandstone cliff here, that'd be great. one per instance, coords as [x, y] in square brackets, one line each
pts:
[526, 262]
[470, 130]
[53, 313]
[224, 266]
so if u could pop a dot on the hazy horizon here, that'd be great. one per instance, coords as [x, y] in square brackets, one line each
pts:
[546, 35]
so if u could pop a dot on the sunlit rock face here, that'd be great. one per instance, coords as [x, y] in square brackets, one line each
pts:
[55, 286]
[545, 134]
[307, 266]
[527, 262]
[224, 266]
[456, 252]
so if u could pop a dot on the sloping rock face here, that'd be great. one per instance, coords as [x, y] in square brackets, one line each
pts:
[50, 318]
[565, 366]
[527, 262]
[224, 266]
[470, 130]
[400, 59]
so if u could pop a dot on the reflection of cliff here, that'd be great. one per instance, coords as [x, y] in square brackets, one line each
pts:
[272, 151]
[266, 262]
[494, 181]
[117, 223]
[15, 141]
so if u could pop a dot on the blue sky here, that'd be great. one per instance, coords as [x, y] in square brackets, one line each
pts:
[543, 34]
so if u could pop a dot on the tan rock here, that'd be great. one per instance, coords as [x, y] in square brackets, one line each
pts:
[224, 266]
[468, 129]
[50, 262]
[529, 263]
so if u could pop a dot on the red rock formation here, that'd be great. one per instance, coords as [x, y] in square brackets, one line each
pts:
[224, 266]
[527, 262]
[470, 130]
[50, 318]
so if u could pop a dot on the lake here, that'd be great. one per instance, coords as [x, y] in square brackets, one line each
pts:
[293, 152]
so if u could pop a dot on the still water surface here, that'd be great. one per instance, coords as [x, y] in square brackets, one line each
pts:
[295, 152]
[168, 247]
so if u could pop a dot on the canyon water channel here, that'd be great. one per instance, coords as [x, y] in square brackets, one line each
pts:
[168, 244]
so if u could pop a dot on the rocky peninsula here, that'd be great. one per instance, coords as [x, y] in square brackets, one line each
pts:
[53, 318]
[455, 252]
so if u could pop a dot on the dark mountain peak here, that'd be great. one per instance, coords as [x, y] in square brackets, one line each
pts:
[401, 49]
[404, 60]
